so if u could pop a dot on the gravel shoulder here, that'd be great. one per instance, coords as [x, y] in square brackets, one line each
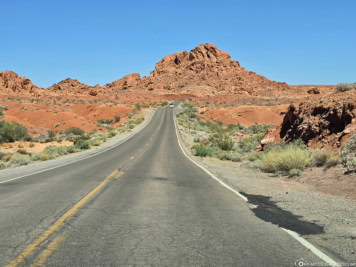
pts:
[335, 214]
[40, 166]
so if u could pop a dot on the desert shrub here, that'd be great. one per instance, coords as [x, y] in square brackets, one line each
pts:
[321, 157]
[35, 156]
[257, 128]
[19, 160]
[248, 144]
[294, 173]
[348, 153]
[32, 145]
[2, 165]
[10, 132]
[6, 157]
[107, 121]
[138, 106]
[72, 149]
[20, 146]
[236, 158]
[74, 131]
[44, 156]
[55, 151]
[2, 154]
[95, 142]
[51, 135]
[201, 150]
[22, 151]
[253, 156]
[72, 137]
[112, 134]
[333, 161]
[117, 118]
[139, 120]
[222, 141]
[343, 87]
[82, 144]
[285, 158]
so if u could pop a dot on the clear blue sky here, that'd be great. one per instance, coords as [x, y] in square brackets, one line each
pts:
[297, 41]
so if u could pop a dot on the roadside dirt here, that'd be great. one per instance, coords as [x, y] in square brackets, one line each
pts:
[306, 198]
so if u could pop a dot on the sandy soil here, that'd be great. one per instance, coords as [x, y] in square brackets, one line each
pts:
[31, 147]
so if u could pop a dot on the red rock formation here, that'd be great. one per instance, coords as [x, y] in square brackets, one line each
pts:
[70, 87]
[11, 83]
[207, 70]
[325, 122]
[127, 82]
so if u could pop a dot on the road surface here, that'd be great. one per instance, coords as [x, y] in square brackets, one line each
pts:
[142, 203]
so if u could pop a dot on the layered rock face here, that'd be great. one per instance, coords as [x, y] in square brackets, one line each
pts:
[321, 123]
[11, 83]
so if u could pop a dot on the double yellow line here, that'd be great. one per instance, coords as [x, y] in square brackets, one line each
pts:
[56, 242]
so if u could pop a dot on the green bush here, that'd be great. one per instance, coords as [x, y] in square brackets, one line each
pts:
[95, 142]
[201, 150]
[82, 144]
[35, 156]
[73, 138]
[74, 131]
[285, 158]
[19, 160]
[294, 172]
[117, 118]
[222, 141]
[107, 121]
[348, 154]
[10, 132]
[44, 156]
[112, 134]
[139, 120]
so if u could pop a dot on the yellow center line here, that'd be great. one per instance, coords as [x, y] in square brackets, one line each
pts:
[42, 258]
[27, 251]
[119, 174]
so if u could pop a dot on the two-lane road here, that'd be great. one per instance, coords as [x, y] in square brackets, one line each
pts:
[141, 203]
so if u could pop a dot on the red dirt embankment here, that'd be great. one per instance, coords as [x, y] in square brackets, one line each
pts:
[247, 115]
[325, 122]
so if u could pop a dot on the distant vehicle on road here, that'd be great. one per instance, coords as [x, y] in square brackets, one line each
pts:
[171, 105]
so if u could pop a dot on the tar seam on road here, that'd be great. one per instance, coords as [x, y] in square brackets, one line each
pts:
[95, 154]
[295, 235]
[34, 245]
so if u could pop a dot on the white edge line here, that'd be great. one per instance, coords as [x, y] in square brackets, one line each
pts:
[312, 248]
[201, 167]
[295, 235]
[95, 154]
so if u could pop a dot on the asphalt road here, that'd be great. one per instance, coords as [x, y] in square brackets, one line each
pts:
[141, 203]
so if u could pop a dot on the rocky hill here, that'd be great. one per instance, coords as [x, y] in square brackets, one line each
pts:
[12, 84]
[204, 70]
[325, 122]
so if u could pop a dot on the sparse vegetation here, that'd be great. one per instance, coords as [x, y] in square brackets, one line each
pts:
[348, 154]
[343, 87]
[285, 158]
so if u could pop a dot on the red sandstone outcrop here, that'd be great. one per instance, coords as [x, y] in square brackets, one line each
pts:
[325, 122]
[11, 83]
